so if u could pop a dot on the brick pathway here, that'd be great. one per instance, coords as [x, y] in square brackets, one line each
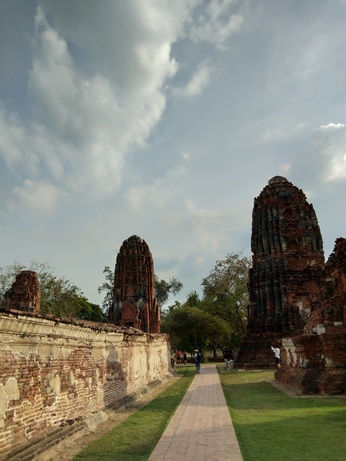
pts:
[201, 428]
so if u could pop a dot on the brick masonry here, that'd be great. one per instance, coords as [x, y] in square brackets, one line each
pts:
[296, 301]
[55, 372]
[135, 304]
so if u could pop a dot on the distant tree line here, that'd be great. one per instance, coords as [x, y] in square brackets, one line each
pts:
[59, 296]
[214, 320]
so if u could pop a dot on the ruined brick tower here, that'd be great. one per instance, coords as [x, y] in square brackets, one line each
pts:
[135, 304]
[24, 295]
[288, 259]
[287, 264]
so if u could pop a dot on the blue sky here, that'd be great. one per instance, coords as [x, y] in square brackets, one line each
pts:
[164, 119]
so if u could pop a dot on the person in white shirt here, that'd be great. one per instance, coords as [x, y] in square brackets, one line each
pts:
[277, 353]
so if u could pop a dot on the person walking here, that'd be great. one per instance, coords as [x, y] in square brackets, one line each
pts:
[277, 353]
[198, 359]
[185, 357]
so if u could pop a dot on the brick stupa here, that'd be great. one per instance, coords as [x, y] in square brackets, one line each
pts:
[287, 263]
[135, 304]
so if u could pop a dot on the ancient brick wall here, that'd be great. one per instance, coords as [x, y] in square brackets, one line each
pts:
[56, 372]
[314, 364]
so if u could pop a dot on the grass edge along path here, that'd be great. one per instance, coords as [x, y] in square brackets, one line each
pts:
[271, 425]
[137, 436]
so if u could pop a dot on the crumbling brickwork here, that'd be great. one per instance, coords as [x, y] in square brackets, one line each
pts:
[135, 304]
[295, 300]
[315, 362]
[288, 259]
[24, 294]
[56, 373]
[287, 263]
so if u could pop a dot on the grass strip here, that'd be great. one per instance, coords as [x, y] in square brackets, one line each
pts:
[136, 438]
[271, 425]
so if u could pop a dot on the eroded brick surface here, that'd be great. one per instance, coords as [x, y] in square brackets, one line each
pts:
[25, 293]
[295, 300]
[287, 259]
[56, 373]
[135, 304]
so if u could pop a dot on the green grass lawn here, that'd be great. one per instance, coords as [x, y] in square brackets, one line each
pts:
[135, 438]
[271, 426]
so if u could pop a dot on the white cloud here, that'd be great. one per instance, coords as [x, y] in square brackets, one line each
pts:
[14, 149]
[209, 227]
[333, 148]
[40, 196]
[93, 101]
[215, 23]
[95, 95]
[323, 161]
[160, 191]
[199, 80]
[282, 132]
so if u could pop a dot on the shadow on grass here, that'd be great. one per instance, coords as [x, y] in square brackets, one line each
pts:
[292, 436]
[137, 436]
[262, 396]
[271, 425]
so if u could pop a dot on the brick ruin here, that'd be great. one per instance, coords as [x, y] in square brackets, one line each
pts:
[295, 300]
[24, 295]
[60, 377]
[315, 362]
[76, 367]
[135, 304]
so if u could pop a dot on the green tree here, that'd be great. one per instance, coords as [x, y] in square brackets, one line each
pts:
[108, 287]
[193, 328]
[226, 294]
[163, 289]
[59, 296]
[90, 311]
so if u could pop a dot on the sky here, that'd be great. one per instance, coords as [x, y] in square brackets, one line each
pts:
[164, 119]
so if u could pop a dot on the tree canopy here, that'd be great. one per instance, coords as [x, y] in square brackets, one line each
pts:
[108, 287]
[59, 296]
[217, 319]
[192, 328]
[163, 289]
[226, 293]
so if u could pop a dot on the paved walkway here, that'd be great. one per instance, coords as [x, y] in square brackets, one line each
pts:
[201, 428]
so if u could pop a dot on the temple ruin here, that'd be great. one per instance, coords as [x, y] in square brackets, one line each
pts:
[135, 304]
[293, 295]
[24, 295]
[315, 361]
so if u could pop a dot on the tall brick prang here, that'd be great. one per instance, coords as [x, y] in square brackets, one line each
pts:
[287, 264]
[135, 304]
[296, 301]
[288, 259]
